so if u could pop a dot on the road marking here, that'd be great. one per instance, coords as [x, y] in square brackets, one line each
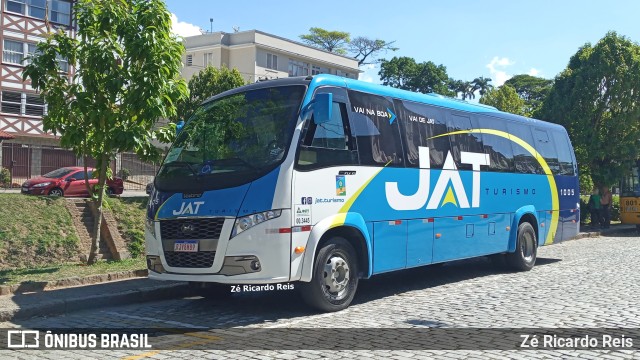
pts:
[177, 323]
[141, 356]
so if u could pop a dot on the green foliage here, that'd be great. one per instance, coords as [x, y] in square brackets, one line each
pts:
[533, 90]
[127, 77]
[615, 208]
[35, 231]
[482, 85]
[464, 88]
[405, 73]
[5, 176]
[586, 183]
[130, 214]
[597, 98]
[504, 98]
[331, 41]
[363, 48]
[208, 82]
[124, 174]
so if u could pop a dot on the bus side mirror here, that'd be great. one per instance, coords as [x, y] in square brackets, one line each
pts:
[322, 108]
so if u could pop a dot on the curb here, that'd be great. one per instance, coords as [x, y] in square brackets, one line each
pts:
[58, 307]
[37, 286]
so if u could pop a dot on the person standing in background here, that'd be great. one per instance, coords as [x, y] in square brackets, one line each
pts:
[605, 207]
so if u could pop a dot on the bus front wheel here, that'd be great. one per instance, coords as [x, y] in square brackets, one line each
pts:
[526, 252]
[335, 277]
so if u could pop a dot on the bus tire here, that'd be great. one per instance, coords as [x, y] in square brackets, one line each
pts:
[335, 277]
[526, 252]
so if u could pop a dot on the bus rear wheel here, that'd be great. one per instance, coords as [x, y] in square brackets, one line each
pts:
[526, 252]
[335, 277]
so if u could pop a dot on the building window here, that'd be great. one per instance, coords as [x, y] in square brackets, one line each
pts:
[190, 60]
[208, 59]
[15, 102]
[16, 6]
[298, 68]
[34, 105]
[272, 61]
[59, 10]
[11, 102]
[13, 52]
[63, 64]
[316, 69]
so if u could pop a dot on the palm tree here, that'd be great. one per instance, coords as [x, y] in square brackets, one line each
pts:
[482, 83]
[464, 88]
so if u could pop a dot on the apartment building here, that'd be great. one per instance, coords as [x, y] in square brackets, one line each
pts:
[23, 23]
[258, 55]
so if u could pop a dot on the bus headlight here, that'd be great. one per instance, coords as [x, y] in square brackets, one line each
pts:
[249, 221]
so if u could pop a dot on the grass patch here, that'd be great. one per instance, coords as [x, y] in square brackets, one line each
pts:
[65, 271]
[130, 215]
[35, 231]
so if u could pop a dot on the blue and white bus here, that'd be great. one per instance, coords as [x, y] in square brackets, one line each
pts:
[322, 181]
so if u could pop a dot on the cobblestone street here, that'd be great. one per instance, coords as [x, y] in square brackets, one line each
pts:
[587, 283]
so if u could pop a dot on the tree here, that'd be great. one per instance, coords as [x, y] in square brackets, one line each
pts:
[504, 98]
[331, 41]
[533, 90]
[127, 76]
[405, 73]
[206, 83]
[597, 98]
[364, 48]
[482, 85]
[464, 88]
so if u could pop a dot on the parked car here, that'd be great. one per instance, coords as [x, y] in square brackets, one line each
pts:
[68, 181]
[149, 188]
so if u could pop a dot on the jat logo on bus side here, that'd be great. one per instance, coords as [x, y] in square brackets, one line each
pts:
[442, 193]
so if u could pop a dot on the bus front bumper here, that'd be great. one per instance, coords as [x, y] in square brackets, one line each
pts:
[259, 255]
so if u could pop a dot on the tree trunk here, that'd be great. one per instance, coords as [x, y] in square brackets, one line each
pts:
[104, 161]
[86, 176]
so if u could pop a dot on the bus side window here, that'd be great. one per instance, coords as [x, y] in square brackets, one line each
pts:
[420, 125]
[327, 144]
[463, 142]
[565, 159]
[525, 162]
[498, 147]
[547, 149]
[375, 129]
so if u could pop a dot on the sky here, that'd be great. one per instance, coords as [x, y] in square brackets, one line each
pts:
[490, 38]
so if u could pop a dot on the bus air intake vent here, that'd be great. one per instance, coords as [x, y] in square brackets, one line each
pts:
[201, 259]
[180, 229]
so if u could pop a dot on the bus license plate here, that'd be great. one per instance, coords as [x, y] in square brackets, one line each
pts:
[186, 246]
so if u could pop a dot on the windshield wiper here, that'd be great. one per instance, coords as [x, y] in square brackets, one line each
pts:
[181, 164]
[235, 161]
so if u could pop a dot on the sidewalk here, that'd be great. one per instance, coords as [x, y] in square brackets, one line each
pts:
[60, 301]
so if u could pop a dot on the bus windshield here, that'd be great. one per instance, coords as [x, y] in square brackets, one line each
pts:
[630, 185]
[232, 140]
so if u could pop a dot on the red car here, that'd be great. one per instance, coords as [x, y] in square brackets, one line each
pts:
[68, 181]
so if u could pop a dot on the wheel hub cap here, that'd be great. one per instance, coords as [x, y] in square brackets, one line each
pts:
[336, 275]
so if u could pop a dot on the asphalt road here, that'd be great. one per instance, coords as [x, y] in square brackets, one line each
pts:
[586, 283]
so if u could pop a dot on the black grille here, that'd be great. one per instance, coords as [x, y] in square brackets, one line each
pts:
[202, 259]
[191, 228]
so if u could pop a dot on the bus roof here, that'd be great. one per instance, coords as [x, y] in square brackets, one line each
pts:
[430, 98]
